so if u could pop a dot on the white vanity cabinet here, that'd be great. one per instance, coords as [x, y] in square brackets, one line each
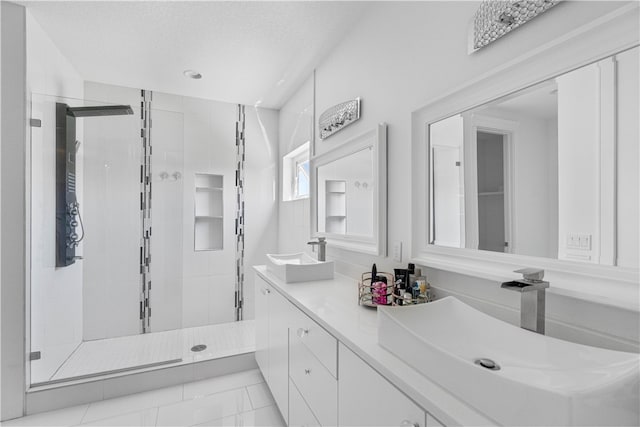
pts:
[313, 365]
[367, 399]
[272, 312]
[315, 379]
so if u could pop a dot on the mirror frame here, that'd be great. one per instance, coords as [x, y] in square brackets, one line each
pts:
[375, 139]
[606, 36]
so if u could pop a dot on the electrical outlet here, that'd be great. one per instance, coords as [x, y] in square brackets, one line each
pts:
[397, 251]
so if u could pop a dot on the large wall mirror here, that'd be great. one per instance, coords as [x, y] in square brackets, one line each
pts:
[548, 171]
[348, 197]
[536, 164]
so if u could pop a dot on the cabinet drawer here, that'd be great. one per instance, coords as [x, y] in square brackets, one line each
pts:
[299, 413]
[368, 399]
[320, 342]
[316, 385]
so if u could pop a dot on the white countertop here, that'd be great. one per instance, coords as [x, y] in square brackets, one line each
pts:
[334, 305]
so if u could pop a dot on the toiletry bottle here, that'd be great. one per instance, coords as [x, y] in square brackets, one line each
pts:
[411, 268]
[400, 284]
[421, 282]
[374, 274]
[408, 295]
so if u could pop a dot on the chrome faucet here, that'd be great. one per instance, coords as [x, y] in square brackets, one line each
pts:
[321, 243]
[532, 298]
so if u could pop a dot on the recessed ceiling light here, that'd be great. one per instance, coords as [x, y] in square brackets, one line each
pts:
[192, 74]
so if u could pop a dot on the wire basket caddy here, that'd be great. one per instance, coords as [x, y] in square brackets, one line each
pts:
[381, 293]
[376, 293]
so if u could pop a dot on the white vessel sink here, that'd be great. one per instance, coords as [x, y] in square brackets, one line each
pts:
[541, 380]
[292, 268]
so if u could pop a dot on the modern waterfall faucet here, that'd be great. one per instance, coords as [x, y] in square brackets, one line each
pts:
[321, 243]
[532, 298]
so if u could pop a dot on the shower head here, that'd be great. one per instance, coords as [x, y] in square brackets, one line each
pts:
[104, 110]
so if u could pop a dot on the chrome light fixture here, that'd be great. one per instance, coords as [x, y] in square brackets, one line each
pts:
[338, 117]
[495, 18]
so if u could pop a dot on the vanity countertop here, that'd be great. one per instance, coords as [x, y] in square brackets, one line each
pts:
[334, 305]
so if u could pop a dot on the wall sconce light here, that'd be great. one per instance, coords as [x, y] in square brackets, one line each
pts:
[495, 18]
[338, 117]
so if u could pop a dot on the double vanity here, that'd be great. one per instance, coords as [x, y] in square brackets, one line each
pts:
[329, 361]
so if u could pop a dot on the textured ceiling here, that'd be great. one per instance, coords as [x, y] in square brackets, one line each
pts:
[248, 52]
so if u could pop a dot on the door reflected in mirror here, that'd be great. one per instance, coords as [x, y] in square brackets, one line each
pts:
[548, 171]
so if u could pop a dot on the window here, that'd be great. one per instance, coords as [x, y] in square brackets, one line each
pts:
[301, 180]
[295, 176]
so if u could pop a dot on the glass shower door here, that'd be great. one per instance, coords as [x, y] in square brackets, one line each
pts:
[85, 318]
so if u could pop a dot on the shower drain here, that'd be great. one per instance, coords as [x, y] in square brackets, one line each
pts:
[198, 347]
[487, 363]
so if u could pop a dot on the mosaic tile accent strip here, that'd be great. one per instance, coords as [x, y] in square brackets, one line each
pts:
[145, 211]
[240, 163]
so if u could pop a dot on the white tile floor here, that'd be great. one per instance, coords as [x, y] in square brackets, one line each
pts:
[114, 354]
[241, 399]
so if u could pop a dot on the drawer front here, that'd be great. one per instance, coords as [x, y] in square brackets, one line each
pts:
[299, 413]
[320, 342]
[316, 385]
[368, 399]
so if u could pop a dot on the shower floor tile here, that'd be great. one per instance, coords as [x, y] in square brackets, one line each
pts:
[157, 348]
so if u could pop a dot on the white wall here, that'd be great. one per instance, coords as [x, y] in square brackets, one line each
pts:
[295, 128]
[12, 292]
[56, 293]
[627, 162]
[399, 57]
[260, 195]
[578, 160]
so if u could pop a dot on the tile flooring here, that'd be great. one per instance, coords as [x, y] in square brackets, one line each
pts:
[115, 354]
[241, 399]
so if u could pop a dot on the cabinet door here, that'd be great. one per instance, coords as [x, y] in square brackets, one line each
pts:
[367, 399]
[299, 413]
[279, 309]
[262, 291]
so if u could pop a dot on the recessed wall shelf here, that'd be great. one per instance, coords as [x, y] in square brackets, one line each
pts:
[336, 206]
[208, 212]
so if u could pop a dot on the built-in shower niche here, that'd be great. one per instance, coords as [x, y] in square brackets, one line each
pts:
[336, 206]
[208, 212]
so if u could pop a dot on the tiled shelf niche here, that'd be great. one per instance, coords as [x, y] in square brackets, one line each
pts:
[336, 206]
[208, 212]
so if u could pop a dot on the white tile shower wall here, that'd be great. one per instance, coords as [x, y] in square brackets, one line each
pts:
[112, 217]
[425, 56]
[204, 292]
[209, 139]
[55, 293]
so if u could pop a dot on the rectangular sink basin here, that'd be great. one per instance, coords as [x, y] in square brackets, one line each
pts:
[300, 267]
[540, 381]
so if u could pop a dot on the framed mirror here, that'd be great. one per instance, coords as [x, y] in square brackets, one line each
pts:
[349, 193]
[536, 164]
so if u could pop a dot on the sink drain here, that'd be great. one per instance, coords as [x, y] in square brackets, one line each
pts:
[198, 347]
[488, 364]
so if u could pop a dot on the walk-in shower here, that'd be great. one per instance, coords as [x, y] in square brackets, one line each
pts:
[133, 246]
